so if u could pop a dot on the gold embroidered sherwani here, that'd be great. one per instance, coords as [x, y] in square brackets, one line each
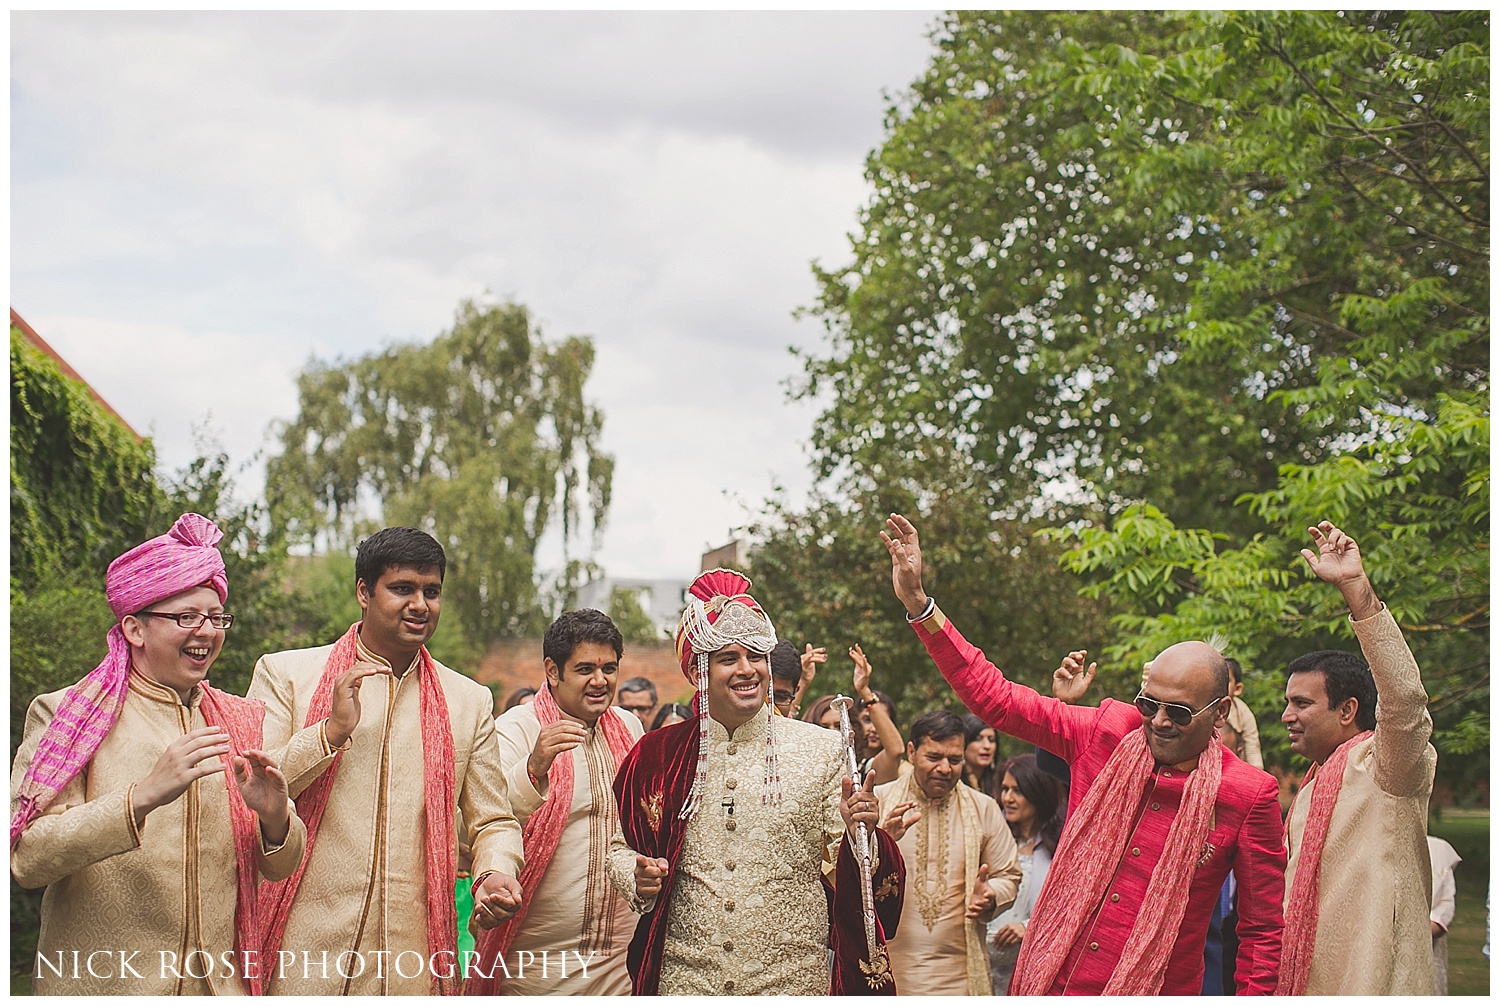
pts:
[748, 914]
[575, 908]
[365, 889]
[1375, 885]
[937, 951]
[168, 886]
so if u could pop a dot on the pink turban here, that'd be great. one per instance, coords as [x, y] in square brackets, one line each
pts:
[179, 560]
[183, 558]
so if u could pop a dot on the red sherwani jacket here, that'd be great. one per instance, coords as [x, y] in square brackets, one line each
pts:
[1245, 833]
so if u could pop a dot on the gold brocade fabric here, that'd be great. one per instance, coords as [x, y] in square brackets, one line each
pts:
[146, 898]
[1375, 938]
[575, 911]
[937, 951]
[748, 915]
[362, 899]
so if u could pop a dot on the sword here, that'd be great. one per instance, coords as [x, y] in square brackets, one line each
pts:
[877, 971]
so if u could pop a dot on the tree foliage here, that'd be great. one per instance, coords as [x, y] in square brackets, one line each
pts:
[81, 484]
[630, 618]
[1188, 283]
[825, 578]
[482, 437]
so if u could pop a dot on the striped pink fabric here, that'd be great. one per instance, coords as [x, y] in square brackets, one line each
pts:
[183, 558]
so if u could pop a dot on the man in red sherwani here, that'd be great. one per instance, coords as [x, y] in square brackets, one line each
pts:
[1158, 814]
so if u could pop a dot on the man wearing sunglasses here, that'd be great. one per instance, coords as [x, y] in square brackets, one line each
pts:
[1159, 812]
[1358, 828]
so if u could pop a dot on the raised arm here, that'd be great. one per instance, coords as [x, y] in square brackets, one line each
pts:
[886, 765]
[1403, 761]
[1007, 706]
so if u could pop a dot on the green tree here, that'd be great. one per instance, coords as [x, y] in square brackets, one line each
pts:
[1189, 283]
[825, 578]
[630, 618]
[482, 437]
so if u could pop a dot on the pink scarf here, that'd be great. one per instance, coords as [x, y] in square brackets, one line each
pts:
[541, 836]
[1085, 862]
[243, 720]
[437, 771]
[1301, 930]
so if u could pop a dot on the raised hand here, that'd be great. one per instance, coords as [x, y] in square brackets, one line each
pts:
[263, 788]
[860, 806]
[497, 897]
[810, 659]
[900, 818]
[900, 539]
[555, 738]
[649, 876]
[1338, 563]
[344, 716]
[1070, 682]
[192, 756]
[861, 673]
[982, 901]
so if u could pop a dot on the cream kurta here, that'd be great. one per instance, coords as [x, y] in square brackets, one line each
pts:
[365, 889]
[165, 889]
[575, 911]
[1375, 887]
[748, 913]
[928, 952]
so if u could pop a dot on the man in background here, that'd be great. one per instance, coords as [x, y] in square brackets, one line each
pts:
[638, 695]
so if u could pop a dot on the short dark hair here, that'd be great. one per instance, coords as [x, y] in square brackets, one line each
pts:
[1234, 669]
[637, 684]
[517, 696]
[1345, 676]
[397, 546]
[571, 628]
[786, 665]
[938, 724]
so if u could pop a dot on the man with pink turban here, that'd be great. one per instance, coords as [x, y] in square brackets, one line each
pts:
[732, 840]
[121, 803]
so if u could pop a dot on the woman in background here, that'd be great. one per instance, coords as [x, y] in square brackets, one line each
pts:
[980, 745]
[1034, 804]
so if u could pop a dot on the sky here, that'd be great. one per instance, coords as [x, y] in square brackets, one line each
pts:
[203, 203]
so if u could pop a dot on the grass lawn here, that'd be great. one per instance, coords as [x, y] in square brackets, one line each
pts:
[1469, 834]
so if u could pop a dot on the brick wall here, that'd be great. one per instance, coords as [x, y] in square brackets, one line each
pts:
[517, 663]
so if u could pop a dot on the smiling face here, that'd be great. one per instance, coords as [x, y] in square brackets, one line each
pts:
[936, 765]
[737, 682]
[585, 686]
[167, 653]
[1019, 811]
[1183, 674]
[400, 612]
[1314, 729]
[980, 752]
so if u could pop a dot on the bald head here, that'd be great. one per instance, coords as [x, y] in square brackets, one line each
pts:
[1192, 670]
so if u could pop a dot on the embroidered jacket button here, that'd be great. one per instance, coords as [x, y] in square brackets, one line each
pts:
[731, 783]
[734, 748]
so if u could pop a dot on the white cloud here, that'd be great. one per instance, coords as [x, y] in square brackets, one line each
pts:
[253, 189]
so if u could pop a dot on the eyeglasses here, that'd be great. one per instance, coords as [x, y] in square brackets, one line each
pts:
[783, 698]
[194, 619]
[1176, 711]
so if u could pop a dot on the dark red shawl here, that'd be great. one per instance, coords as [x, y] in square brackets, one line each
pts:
[651, 787]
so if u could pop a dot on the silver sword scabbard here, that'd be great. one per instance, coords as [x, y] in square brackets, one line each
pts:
[875, 966]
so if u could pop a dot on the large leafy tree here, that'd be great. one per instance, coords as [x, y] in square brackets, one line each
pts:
[825, 578]
[1151, 273]
[482, 437]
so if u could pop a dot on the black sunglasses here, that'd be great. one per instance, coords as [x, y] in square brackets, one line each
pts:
[1176, 711]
